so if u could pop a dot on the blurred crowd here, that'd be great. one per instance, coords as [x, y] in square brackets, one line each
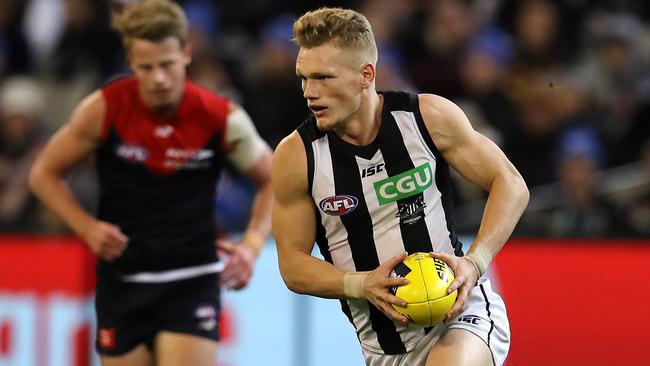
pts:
[563, 87]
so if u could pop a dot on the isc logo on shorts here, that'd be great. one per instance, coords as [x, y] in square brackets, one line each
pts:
[470, 319]
[338, 205]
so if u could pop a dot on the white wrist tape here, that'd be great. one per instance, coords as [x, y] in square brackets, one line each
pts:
[473, 263]
[353, 284]
[480, 258]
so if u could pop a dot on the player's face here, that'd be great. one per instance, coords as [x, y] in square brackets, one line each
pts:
[331, 84]
[160, 69]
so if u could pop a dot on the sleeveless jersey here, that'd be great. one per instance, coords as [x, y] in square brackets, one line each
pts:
[158, 177]
[376, 201]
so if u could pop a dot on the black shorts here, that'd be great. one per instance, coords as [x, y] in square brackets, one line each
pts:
[129, 314]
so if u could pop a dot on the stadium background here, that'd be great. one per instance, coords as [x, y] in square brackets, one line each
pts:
[562, 86]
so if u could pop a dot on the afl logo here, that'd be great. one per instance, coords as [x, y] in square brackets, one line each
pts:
[338, 205]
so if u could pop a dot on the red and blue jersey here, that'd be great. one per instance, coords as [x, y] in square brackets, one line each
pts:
[158, 176]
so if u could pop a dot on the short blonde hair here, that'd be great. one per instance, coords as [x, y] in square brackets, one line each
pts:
[346, 28]
[152, 20]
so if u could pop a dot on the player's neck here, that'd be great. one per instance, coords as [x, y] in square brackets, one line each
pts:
[163, 111]
[364, 126]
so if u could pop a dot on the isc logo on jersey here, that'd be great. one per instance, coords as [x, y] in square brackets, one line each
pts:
[404, 185]
[338, 205]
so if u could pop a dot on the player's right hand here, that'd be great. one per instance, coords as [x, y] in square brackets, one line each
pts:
[376, 288]
[106, 240]
[465, 279]
[239, 265]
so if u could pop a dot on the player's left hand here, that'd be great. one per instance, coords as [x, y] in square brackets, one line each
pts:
[465, 280]
[239, 265]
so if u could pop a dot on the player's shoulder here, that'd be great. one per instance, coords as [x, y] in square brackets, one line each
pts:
[290, 154]
[438, 110]
[290, 148]
[436, 104]
[445, 121]
[289, 169]
[89, 115]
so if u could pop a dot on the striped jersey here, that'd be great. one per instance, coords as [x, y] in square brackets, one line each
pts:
[376, 201]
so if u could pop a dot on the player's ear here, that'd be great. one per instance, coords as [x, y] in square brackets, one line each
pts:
[129, 59]
[368, 75]
[187, 53]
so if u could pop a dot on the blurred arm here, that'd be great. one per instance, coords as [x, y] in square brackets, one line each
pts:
[252, 156]
[73, 142]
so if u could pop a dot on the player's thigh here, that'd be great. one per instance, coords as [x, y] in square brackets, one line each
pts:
[139, 356]
[459, 347]
[177, 349]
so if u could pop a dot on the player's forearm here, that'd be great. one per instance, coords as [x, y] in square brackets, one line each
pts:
[259, 225]
[308, 275]
[506, 202]
[55, 195]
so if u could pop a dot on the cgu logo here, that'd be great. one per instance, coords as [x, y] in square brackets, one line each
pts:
[404, 185]
[338, 205]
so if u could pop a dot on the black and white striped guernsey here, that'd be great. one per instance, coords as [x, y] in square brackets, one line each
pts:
[376, 201]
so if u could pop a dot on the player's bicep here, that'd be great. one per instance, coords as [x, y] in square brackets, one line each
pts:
[479, 160]
[294, 225]
[77, 138]
[293, 212]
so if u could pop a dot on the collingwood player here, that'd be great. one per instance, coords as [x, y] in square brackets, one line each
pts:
[367, 179]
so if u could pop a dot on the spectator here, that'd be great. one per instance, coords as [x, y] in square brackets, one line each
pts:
[483, 66]
[532, 141]
[275, 102]
[582, 211]
[614, 71]
[435, 49]
[21, 138]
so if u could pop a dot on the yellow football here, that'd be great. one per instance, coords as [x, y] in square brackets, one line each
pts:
[426, 293]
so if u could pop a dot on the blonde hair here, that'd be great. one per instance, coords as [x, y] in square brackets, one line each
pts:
[345, 28]
[152, 20]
